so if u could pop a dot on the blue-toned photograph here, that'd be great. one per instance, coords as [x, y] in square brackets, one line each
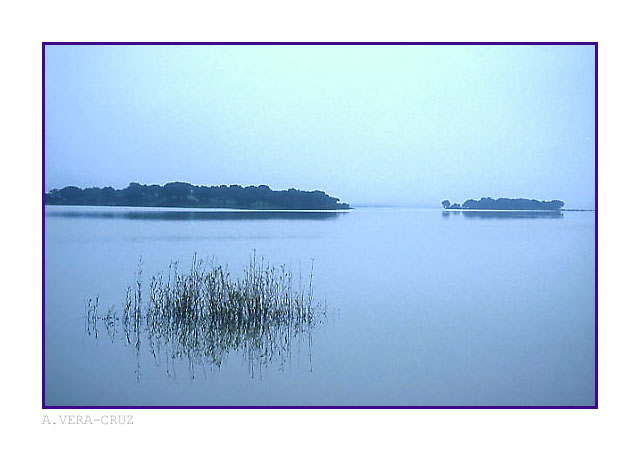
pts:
[319, 225]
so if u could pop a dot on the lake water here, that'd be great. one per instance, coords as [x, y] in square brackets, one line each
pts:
[423, 307]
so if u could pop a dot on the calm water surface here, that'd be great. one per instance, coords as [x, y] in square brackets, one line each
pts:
[424, 307]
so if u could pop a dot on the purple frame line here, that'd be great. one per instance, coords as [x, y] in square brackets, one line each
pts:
[43, 225]
[320, 43]
[321, 407]
[596, 225]
[514, 407]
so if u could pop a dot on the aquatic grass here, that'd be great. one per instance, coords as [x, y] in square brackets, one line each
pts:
[204, 313]
[208, 294]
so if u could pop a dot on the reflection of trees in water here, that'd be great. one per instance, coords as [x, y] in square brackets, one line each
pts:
[197, 215]
[204, 315]
[503, 214]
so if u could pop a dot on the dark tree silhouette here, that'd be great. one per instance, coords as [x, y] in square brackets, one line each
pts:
[181, 194]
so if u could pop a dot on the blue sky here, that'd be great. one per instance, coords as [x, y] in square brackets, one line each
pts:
[407, 125]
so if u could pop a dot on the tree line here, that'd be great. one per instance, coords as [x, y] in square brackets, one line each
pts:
[181, 194]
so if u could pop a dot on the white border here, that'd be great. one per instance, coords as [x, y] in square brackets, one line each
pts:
[611, 427]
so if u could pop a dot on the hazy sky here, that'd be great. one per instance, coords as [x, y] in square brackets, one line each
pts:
[368, 124]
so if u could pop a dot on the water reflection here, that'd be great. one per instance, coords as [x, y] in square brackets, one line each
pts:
[503, 214]
[191, 215]
[208, 344]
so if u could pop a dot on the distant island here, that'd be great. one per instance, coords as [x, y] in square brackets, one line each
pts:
[505, 204]
[181, 194]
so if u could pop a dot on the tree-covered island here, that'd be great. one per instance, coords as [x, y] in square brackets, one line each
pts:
[505, 204]
[181, 194]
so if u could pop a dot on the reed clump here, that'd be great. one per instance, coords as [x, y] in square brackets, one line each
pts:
[208, 294]
[205, 313]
